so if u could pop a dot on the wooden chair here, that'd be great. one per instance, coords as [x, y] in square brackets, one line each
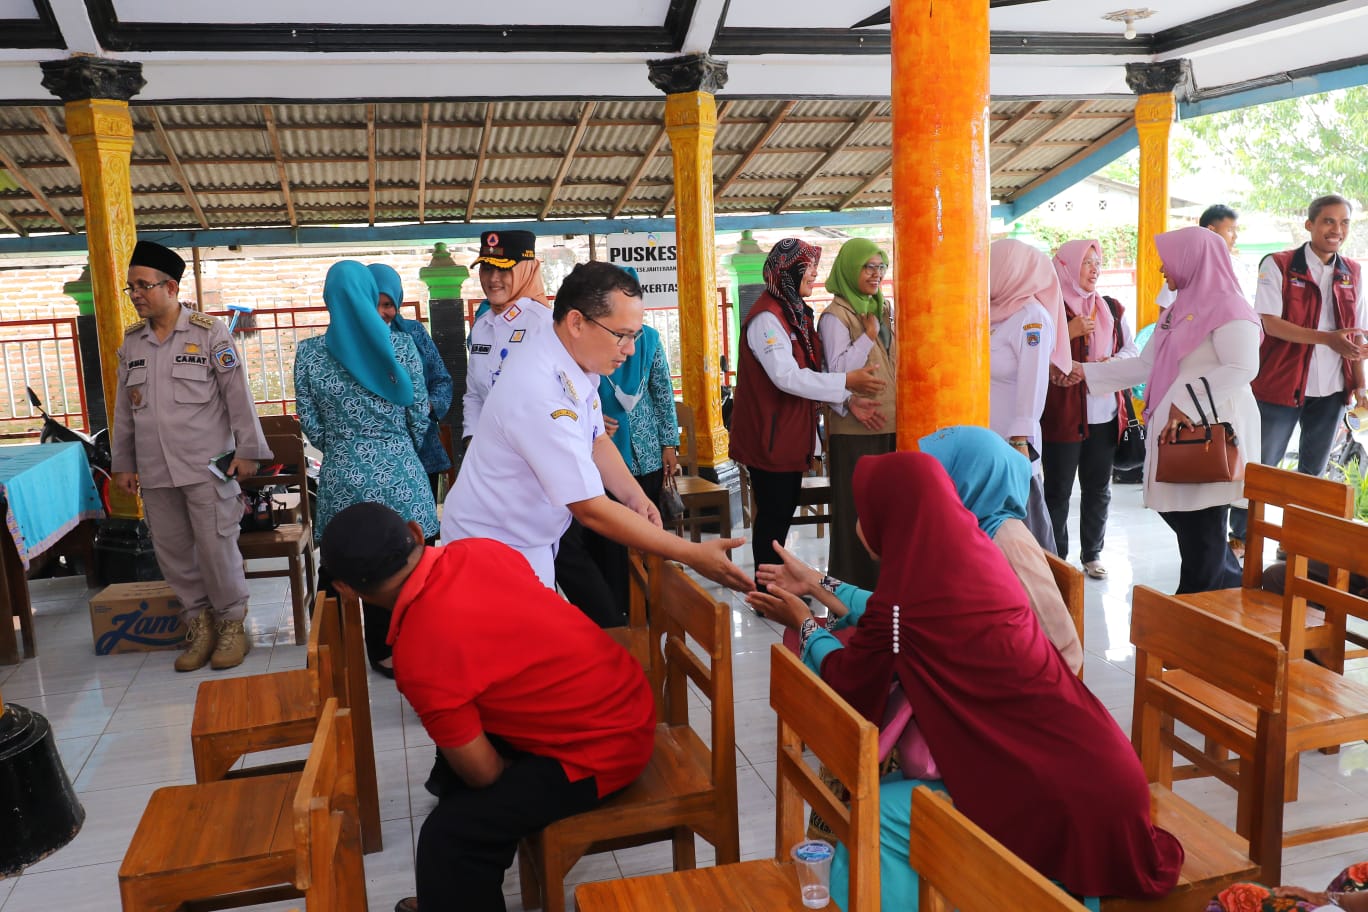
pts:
[812, 716]
[241, 842]
[689, 786]
[1250, 605]
[946, 845]
[241, 715]
[1069, 579]
[699, 494]
[643, 583]
[1242, 668]
[814, 501]
[291, 540]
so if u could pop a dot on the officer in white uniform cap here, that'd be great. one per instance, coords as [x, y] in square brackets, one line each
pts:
[540, 455]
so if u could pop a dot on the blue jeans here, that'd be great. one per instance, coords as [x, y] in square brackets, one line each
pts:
[1318, 417]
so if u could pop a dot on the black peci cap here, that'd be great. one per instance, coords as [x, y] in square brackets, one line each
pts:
[504, 249]
[366, 544]
[155, 256]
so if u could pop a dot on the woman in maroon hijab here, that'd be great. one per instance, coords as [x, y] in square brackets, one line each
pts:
[1027, 752]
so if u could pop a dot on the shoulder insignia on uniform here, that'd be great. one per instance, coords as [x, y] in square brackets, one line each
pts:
[564, 413]
[225, 357]
[1030, 326]
[134, 327]
[202, 321]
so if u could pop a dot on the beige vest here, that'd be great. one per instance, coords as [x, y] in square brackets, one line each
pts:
[883, 361]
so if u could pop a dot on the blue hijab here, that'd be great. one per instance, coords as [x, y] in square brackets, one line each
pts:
[387, 282]
[993, 480]
[357, 336]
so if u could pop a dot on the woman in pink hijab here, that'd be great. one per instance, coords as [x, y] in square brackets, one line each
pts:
[1081, 431]
[1210, 334]
[1028, 345]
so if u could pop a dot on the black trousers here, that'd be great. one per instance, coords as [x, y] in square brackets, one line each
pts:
[583, 582]
[1207, 561]
[469, 840]
[1091, 461]
[611, 558]
[776, 497]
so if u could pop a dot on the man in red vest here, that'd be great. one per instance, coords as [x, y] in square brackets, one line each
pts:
[1310, 300]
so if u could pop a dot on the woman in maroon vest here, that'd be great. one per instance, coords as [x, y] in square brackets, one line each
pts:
[1080, 431]
[779, 385]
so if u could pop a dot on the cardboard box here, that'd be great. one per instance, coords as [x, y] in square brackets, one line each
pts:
[136, 617]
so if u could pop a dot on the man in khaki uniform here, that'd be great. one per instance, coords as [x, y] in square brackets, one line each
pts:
[182, 401]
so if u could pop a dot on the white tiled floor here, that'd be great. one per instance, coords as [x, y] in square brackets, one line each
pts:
[122, 724]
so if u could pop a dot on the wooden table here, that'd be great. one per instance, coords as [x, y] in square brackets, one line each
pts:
[50, 502]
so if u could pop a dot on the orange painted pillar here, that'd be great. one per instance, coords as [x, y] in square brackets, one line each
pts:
[940, 214]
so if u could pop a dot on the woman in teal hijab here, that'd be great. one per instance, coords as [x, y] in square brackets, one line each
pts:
[992, 479]
[857, 332]
[361, 400]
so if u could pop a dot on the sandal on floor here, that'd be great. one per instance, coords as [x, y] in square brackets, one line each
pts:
[1095, 570]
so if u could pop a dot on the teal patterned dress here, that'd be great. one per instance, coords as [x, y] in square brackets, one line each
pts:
[370, 445]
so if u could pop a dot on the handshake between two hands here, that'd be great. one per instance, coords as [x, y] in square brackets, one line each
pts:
[1073, 377]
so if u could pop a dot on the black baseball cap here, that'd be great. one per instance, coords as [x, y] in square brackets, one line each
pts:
[366, 544]
[505, 249]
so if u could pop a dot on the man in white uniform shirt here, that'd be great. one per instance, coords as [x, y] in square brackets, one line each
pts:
[540, 455]
[1310, 300]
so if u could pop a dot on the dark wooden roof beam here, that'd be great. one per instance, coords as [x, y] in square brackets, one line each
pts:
[370, 162]
[11, 224]
[775, 121]
[865, 185]
[586, 112]
[17, 173]
[1060, 121]
[273, 135]
[1024, 114]
[480, 160]
[57, 138]
[638, 171]
[840, 145]
[1069, 162]
[422, 165]
[164, 143]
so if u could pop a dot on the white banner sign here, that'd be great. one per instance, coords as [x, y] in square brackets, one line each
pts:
[652, 255]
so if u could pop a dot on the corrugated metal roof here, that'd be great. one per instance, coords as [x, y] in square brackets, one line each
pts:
[229, 165]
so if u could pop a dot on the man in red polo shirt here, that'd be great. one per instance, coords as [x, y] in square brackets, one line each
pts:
[537, 714]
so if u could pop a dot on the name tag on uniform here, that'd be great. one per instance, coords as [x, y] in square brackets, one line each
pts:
[191, 359]
[137, 362]
[479, 349]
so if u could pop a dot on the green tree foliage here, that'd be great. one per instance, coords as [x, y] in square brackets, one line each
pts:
[1293, 151]
[1119, 244]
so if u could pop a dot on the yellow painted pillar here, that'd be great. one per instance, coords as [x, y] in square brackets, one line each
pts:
[1154, 111]
[96, 93]
[691, 122]
[940, 214]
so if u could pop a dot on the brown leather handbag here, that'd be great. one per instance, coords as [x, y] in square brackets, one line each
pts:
[1203, 454]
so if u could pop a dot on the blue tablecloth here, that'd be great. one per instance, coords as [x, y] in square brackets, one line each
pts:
[48, 489]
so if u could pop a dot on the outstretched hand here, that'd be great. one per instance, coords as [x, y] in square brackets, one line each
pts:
[710, 559]
[780, 605]
[792, 574]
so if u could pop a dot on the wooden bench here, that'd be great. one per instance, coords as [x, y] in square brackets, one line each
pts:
[235, 716]
[689, 786]
[1175, 645]
[1324, 709]
[643, 591]
[241, 842]
[1069, 579]
[946, 846]
[811, 715]
[1251, 606]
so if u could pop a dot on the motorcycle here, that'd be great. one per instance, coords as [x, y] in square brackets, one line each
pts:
[96, 447]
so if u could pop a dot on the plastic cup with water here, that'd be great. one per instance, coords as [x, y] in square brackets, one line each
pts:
[812, 858]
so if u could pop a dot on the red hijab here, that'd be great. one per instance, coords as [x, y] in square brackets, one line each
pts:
[1028, 753]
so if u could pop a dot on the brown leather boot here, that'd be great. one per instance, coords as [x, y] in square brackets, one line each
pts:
[199, 644]
[233, 646]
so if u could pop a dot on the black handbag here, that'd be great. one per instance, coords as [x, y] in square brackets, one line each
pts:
[1130, 448]
[258, 510]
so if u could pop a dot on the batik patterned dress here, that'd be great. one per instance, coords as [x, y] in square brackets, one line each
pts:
[370, 445]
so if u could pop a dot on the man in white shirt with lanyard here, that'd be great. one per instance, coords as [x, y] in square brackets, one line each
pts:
[540, 454]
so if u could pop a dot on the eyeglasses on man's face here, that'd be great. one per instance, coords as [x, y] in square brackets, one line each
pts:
[875, 268]
[142, 287]
[623, 339]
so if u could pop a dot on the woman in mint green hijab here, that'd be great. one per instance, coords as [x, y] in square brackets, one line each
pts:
[857, 332]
